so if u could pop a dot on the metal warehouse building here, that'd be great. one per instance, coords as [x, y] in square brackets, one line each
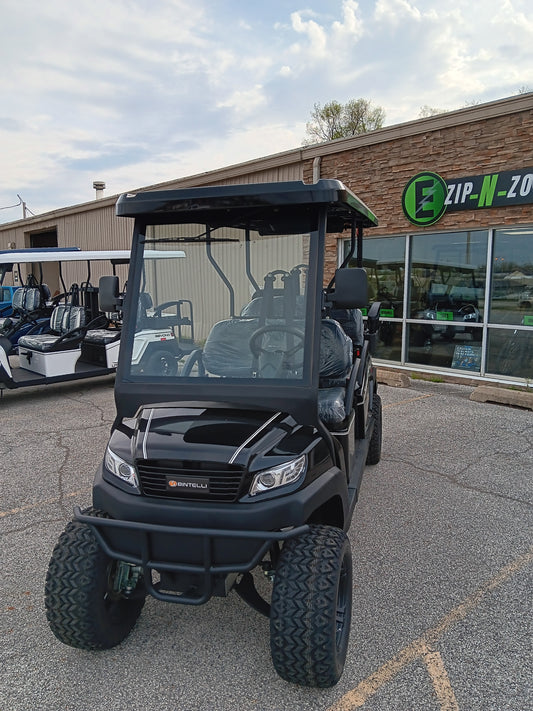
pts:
[452, 259]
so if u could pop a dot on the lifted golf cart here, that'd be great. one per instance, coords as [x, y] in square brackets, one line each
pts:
[249, 453]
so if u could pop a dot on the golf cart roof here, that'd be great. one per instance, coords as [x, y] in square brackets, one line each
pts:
[73, 254]
[269, 208]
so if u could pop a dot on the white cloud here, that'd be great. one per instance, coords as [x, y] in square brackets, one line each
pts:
[245, 101]
[136, 93]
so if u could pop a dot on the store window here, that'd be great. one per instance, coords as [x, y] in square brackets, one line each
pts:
[447, 308]
[512, 276]
[510, 350]
[447, 293]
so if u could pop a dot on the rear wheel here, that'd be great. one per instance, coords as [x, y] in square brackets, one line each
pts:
[374, 450]
[91, 600]
[311, 607]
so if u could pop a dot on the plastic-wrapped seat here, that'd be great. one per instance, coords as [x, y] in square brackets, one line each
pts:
[336, 360]
[352, 324]
[227, 348]
[66, 331]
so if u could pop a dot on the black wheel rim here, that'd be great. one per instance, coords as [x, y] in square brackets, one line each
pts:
[342, 610]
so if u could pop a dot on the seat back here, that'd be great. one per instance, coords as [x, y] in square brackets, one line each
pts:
[26, 298]
[74, 317]
[336, 359]
[352, 324]
[145, 302]
[66, 317]
[343, 303]
[56, 318]
[227, 348]
[335, 354]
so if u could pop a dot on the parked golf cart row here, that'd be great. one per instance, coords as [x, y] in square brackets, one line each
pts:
[249, 454]
[67, 336]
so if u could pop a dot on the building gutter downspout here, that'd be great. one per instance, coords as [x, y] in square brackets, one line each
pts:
[316, 169]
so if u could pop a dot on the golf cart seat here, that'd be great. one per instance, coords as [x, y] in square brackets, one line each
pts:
[66, 331]
[26, 301]
[336, 360]
[227, 348]
[102, 336]
[352, 324]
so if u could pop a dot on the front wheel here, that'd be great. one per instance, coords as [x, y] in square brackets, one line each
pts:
[311, 607]
[92, 601]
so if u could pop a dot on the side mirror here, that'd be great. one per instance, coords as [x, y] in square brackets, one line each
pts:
[108, 294]
[351, 289]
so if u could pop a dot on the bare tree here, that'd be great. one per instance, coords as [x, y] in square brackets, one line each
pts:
[336, 120]
[427, 111]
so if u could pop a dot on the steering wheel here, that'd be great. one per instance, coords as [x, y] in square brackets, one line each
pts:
[255, 340]
[467, 310]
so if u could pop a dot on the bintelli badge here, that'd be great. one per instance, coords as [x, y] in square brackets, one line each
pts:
[187, 484]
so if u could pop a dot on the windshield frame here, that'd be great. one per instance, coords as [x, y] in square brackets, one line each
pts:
[295, 397]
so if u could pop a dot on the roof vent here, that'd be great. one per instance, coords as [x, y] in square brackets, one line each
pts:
[99, 186]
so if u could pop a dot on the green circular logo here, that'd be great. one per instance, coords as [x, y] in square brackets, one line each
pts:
[423, 199]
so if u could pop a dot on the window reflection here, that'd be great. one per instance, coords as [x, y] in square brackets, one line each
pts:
[453, 349]
[441, 309]
[389, 345]
[448, 276]
[512, 277]
[510, 352]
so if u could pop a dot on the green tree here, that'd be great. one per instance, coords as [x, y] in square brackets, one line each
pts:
[336, 120]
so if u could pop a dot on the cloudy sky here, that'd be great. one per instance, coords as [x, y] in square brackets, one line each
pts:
[136, 92]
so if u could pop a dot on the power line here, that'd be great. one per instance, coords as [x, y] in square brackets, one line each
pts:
[8, 207]
[25, 208]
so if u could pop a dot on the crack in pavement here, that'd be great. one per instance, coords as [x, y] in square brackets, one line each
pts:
[462, 485]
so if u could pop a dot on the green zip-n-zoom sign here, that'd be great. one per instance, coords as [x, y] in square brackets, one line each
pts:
[427, 196]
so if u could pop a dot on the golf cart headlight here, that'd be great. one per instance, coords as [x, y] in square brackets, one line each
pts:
[278, 476]
[121, 469]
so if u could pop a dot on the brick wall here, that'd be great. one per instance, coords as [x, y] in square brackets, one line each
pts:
[378, 173]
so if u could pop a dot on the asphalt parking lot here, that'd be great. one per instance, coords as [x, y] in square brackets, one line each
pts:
[443, 560]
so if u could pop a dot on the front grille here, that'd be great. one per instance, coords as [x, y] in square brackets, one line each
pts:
[225, 482]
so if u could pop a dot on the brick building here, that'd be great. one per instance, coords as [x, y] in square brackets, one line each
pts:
[452, 258]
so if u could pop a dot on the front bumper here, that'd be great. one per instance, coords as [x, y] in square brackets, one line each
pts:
[205, 542]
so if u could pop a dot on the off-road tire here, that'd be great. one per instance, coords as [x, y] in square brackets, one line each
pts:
[374, 449]
[81, 609]
[311, 607]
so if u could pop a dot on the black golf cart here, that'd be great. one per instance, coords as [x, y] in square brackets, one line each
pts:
[247, 452]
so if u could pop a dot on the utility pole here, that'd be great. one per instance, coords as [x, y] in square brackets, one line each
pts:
[24, 209]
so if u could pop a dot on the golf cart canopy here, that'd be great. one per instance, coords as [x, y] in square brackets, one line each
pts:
[245, 301]
[268, 208]
[59, 254]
